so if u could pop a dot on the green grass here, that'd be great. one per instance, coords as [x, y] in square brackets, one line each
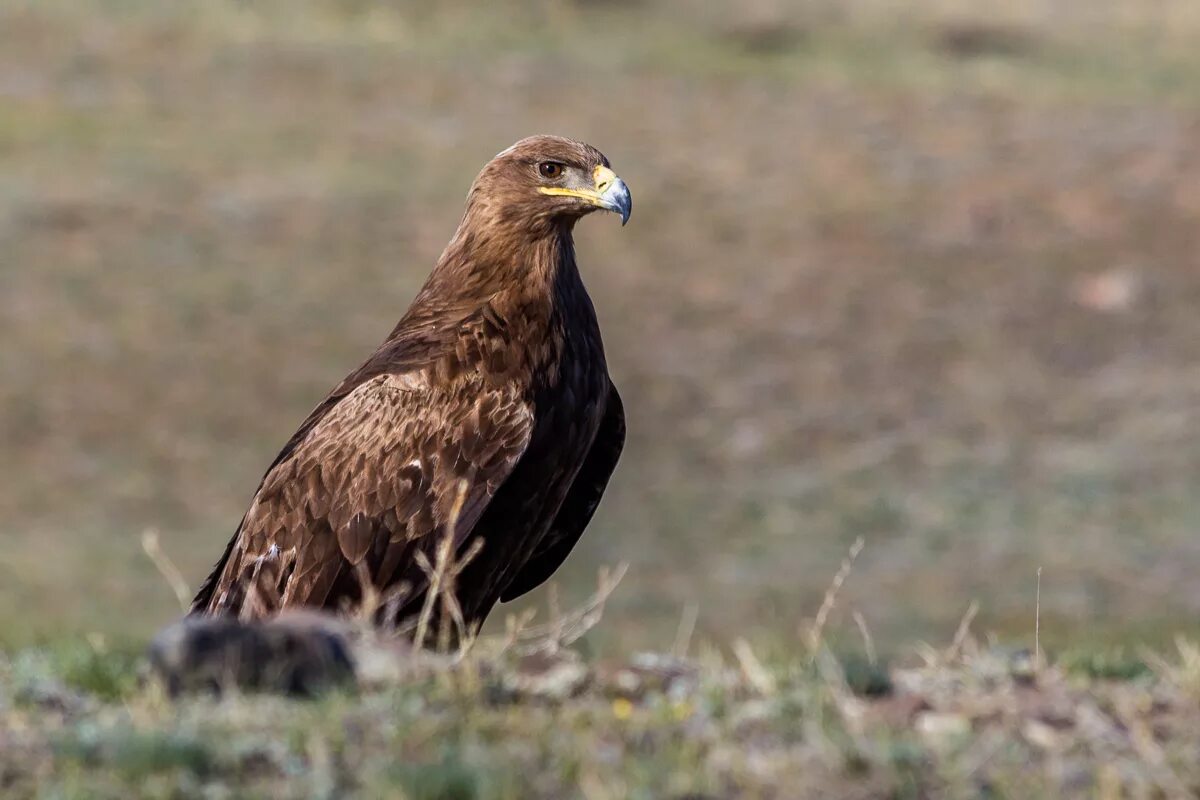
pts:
[960, 724]
[1112, 664]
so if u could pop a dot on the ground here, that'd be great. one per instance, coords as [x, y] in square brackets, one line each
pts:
[967, 721]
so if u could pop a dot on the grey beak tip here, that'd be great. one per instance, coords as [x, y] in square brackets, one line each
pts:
[617, 200]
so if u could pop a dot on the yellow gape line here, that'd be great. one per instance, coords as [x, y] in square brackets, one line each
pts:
[610, 193]
[602, 177]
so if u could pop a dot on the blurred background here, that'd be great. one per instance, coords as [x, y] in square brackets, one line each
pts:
[918, 272]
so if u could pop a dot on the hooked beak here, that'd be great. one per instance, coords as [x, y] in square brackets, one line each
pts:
[614, 194]
[610, 193]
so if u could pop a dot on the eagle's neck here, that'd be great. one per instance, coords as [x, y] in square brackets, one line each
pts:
[508, 305]
[514, 267]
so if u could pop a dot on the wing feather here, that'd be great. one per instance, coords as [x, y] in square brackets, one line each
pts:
[580, 503]
[375, 477]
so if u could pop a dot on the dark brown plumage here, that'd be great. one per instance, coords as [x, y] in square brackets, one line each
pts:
[493, 386]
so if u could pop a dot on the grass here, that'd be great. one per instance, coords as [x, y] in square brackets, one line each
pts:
[520, 716]
[963, 722]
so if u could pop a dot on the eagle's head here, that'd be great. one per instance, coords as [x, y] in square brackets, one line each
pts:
[548, 179]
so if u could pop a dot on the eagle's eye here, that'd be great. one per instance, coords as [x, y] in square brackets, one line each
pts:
[550, 169]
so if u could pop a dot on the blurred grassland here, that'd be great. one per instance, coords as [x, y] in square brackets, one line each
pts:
[971, 722]
[852, 300]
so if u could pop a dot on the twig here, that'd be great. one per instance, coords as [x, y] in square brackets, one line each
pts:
[167, 568]
[818, 626]
[555, 611]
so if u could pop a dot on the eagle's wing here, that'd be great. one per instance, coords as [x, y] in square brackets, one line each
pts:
[579, 504]
[367, 482]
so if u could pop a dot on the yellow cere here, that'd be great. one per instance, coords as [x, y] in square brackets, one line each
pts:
[603, 177]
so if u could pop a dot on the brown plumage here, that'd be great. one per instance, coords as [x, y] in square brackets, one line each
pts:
[491, 392]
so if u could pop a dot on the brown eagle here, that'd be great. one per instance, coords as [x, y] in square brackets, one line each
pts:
[487, 414]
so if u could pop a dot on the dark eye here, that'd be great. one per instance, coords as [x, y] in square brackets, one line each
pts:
[550, 169]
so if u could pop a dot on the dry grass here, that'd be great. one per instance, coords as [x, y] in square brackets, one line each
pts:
[942, 299]
[495, 724]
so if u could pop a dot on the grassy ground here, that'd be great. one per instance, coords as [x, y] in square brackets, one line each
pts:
[914, 273]
[968, 721]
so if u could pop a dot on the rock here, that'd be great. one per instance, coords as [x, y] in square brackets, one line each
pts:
[298, 653]
[382, 661]
[648, 673]
[1023, 668]
[53, 696]
[1041, 735]
[556, 676]
[898, 710]
[941, 730]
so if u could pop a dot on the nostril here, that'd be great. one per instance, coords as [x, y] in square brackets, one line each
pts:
[602, 185]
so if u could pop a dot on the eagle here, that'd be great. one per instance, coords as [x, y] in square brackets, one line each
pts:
[486, 420]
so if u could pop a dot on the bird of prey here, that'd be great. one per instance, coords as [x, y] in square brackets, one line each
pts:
[487, 415]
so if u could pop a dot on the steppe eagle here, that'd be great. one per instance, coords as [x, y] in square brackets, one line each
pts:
[489, 405]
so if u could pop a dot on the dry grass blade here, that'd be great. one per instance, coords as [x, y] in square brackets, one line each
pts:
[375, 606]
[554, 609]
[571, 625]
[369, 601]
[962, 632]
[442, 575]
[844, 702]
[1184, 676]
[1141, 738]
[434, 573]
[683, 633]
[391, 600]
[514, 626]
[868, 642]
[1037, 625]
[753, 670]
[166, 567]
[815, 631]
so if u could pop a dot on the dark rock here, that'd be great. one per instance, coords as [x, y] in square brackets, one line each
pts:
[296, 653]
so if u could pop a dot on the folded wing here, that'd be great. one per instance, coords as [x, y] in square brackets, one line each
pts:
[379, 475]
